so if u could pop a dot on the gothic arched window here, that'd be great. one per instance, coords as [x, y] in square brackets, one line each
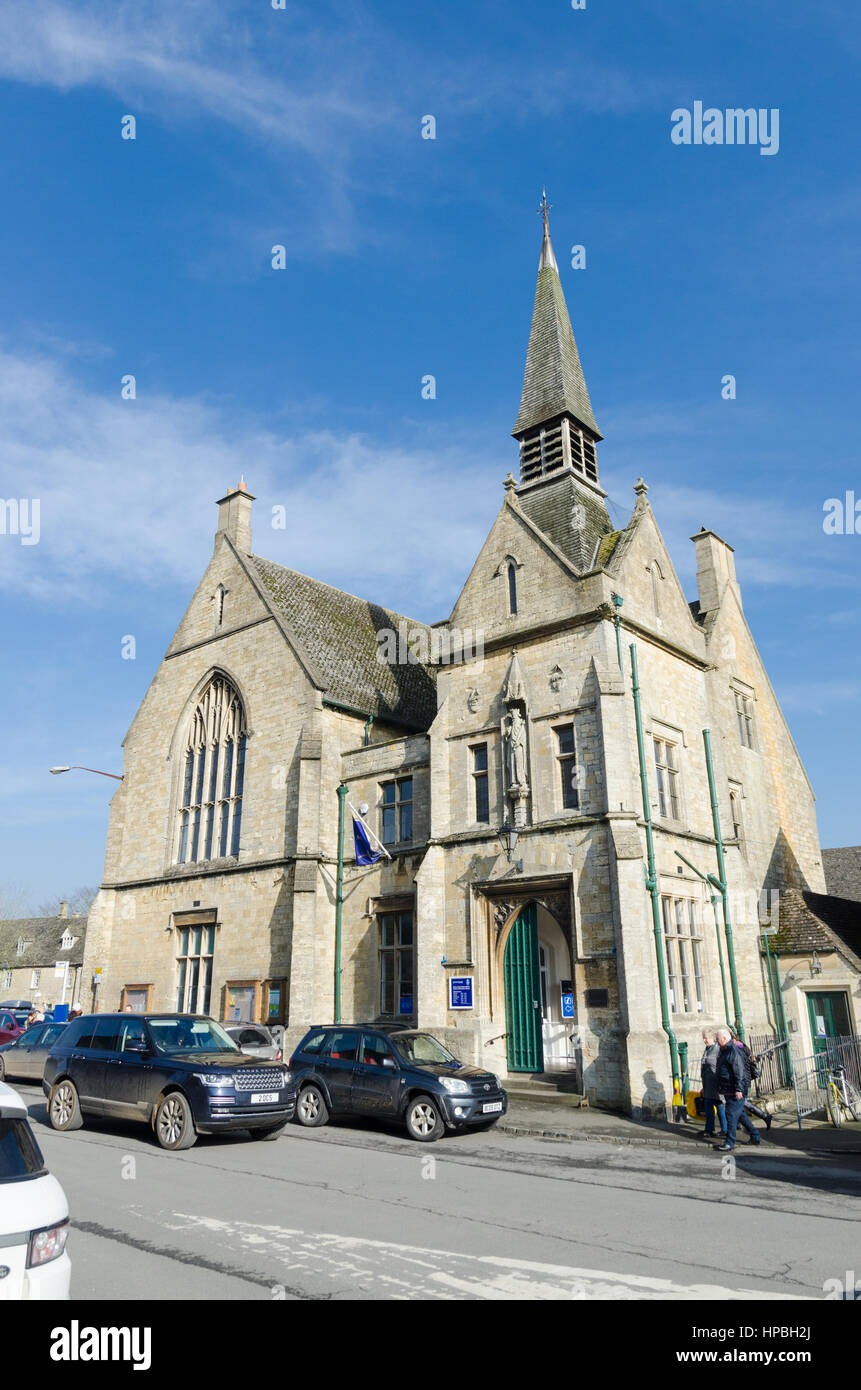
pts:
[512, 587]
[210, 808]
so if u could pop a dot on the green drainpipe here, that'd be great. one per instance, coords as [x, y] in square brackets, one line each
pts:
[618, 601]
[713, 900]
[683, 1064]
[339, 898]
[720, 884]
[652, 882]
[367, 738]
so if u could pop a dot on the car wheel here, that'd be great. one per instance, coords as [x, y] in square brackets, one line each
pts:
[64, 1108]
[174, 1126]
[424, 1119]
[271, 1132]
[311, 1108]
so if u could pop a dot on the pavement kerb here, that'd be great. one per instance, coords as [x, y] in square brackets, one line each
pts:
[534, 1132]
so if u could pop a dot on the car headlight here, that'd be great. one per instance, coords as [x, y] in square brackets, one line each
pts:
[207, 1078]
[47, 1245]
[455, 1088]
[286, 1078]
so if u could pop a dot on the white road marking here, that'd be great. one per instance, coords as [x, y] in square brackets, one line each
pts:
[447, 1274]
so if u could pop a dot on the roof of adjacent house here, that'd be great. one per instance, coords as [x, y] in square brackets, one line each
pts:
[339, 634]
[843, 871]
[810, 922]
[41, 937]
[553, 383]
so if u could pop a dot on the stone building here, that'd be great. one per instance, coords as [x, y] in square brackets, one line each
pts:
[502, 775]
[41, 958]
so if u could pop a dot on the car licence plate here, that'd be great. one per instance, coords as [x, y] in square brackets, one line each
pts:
[493, 1105]
[264, 1098]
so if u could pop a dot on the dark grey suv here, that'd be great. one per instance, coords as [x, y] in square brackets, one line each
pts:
[179, 1073]
[391, 1074]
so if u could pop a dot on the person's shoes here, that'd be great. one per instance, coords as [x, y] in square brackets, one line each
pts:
[768, 1119]
[706, 1134]
[724, 1148]
[756, 1142]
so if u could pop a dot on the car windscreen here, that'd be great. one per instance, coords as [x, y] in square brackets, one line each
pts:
[51, 1034]
[421, 1047]
[190, 1035]
[19, 1152]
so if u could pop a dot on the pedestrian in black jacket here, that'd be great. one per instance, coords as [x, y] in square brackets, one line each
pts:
[732, 1080]
[749, 1106]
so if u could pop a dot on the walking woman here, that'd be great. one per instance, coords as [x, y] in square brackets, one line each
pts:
[714, 1106]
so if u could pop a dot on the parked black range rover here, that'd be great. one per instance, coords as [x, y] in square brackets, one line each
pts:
[396, 1074]
[180, 1073]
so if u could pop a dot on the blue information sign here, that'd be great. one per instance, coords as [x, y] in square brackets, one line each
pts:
[460, 991]
[568, 1006]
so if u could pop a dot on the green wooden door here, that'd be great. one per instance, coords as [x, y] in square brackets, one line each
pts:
[523, 994]
[829, 1017]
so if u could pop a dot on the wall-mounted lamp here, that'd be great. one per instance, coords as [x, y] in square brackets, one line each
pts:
[815, 965]
[508, 837]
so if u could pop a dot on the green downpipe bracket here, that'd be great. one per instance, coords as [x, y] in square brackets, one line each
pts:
[652, 879]
[720, 883]
[339, 898]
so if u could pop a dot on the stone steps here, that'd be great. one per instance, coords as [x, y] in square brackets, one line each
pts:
[547, 1088]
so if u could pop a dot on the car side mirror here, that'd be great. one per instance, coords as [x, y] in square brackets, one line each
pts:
[137, 1045]
[390, 1063]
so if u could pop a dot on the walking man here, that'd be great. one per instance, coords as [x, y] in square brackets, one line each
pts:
[732, 1083]
[712, 1101]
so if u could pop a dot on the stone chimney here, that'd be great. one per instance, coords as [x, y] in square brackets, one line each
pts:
[234, 518]
[715, 569]
[63, 910]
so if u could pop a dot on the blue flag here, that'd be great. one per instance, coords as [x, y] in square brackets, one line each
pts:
[364, 853]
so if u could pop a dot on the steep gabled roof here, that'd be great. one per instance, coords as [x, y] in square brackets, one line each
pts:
[339, 633]
[41, 937]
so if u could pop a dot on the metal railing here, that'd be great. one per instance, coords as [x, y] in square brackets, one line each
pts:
[810, 1074]
[774, 1060]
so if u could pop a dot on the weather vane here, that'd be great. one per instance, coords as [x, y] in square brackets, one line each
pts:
[544, 208]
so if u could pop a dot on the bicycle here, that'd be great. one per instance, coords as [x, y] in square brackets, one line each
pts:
[840, 1095]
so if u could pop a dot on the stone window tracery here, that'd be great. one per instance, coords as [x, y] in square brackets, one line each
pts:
[210, 810]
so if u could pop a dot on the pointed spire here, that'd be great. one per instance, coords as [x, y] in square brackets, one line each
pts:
[553, 384]
[548, 260]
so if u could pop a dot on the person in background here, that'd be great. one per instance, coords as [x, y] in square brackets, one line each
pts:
[75, 1011]
[714, 1106]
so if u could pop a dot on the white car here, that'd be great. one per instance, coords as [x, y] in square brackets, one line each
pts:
[34, 1213]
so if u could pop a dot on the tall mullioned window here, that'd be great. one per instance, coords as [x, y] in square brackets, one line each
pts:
[195, 948]
[396, 964]
[567, 759]
[683, 947]
[666, 768]
[744, 713]
[210, 810]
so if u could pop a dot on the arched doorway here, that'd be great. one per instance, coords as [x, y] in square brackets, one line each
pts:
[536, 960]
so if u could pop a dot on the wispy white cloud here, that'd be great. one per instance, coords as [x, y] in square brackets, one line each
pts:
[126, 492]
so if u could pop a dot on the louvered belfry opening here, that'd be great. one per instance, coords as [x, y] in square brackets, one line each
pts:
[548, 448]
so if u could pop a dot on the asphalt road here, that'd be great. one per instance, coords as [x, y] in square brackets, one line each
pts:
[359, 1211]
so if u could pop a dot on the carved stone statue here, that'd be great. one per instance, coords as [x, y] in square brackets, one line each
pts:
[516, 749]
[472, 700]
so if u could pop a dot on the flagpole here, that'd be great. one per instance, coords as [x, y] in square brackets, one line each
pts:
[339, 898]
[371, 832]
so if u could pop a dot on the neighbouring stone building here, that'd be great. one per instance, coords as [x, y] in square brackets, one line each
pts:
[221, 866]
[41, 958]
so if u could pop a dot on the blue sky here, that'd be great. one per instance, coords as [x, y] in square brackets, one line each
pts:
[405, 257]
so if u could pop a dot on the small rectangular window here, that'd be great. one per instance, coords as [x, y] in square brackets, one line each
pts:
[744, 714]
[479, 777]
[568, 771]
[397, 811]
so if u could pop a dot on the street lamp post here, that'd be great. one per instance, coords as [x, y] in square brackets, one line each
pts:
[76, 767]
